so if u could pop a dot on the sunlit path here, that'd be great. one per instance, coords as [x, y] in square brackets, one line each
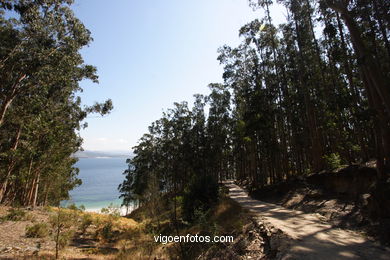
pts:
[311, 237]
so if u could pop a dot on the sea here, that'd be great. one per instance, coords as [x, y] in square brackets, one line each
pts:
[100, 179]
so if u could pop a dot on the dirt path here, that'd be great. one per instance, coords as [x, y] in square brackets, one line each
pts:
[311, 237]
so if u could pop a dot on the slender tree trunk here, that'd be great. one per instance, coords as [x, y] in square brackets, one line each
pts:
[11, 165]
[9, 98]
[58, 232]
[367, 64]
[47, 194]
[373, 82]
[34, 202]
[27, 191]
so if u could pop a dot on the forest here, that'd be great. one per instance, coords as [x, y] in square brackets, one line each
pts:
[308, 95]
[301, 103]
[40, 111]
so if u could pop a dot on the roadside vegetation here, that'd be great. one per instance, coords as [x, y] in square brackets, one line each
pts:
[304, 97]
[70, 232]
[223, 218]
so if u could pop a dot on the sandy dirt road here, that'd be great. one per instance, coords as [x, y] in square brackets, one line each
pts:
[311, 237]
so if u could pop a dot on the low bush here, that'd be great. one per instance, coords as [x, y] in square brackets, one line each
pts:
[111, 210]
[105, 231]
[65, 237]
[74, 207]
[86, 221]
[38, 230]
[62, 224]
[200, 195]
[15, 214]
[332, 161]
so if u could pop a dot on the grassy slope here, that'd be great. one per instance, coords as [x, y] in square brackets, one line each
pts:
[91, 244]
[225, 218]
[111, 237]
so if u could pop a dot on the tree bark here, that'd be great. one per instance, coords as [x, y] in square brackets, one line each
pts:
[9, 98]
[374, 84]
[366, 62]
[34, 202]
[11, 165]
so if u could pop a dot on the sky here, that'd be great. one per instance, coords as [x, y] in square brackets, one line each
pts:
[150, 54]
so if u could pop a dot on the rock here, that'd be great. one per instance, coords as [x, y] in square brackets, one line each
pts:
[7, 249]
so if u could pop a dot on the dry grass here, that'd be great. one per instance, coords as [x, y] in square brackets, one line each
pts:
[129, 239]
[14, 244]
[226, 218]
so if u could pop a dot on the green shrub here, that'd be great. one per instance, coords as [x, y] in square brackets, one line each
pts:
[105, 231]
[74, 207]
[86, 221]
[16, 214]
[200, 195]
[48, 209]
[64, 238]
[111, 210]
[62, 223]
[38, 230]
[332, 161]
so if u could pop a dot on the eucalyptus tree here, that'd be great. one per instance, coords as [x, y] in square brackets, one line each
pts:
[39, 47]
[40, 112]
[218, 131]
[368, 28]
[295, 98]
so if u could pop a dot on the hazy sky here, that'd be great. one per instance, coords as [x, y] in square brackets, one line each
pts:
[150, 54]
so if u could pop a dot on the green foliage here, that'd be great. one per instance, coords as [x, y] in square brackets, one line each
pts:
[294, 100]
[38, 230]
[180, 146]
[200, 195]
[74, 207]
[332, 161]
[63, 219]
[65, 238]
[62, 223]
[40, 110]
[86, 221]
[111, 210]
[106, 231]
[15, 214]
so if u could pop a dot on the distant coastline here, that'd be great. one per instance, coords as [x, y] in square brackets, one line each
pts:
[102, 154]
[100, 176]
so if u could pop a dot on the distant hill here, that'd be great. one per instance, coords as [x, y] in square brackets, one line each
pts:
[97, 154]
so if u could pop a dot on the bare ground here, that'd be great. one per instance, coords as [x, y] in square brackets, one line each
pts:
[14, 244]
[311, 236]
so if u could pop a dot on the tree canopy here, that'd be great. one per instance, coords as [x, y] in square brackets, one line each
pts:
[40, 110]
[303, 96]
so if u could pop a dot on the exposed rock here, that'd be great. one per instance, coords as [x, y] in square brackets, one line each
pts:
[256, 241]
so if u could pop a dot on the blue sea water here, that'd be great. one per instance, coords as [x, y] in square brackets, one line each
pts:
[100, 177]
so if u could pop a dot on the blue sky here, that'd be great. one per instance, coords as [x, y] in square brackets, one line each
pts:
[150, 54]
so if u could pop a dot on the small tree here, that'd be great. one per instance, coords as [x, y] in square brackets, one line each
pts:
[62, 223]
[111, 210]
[332, 161]
[199, 197]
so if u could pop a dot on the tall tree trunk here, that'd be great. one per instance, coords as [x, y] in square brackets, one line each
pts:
[27, 191]
[373, 82]
[34, 202]
[10, 97]
[369, 67]
[11, 165]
